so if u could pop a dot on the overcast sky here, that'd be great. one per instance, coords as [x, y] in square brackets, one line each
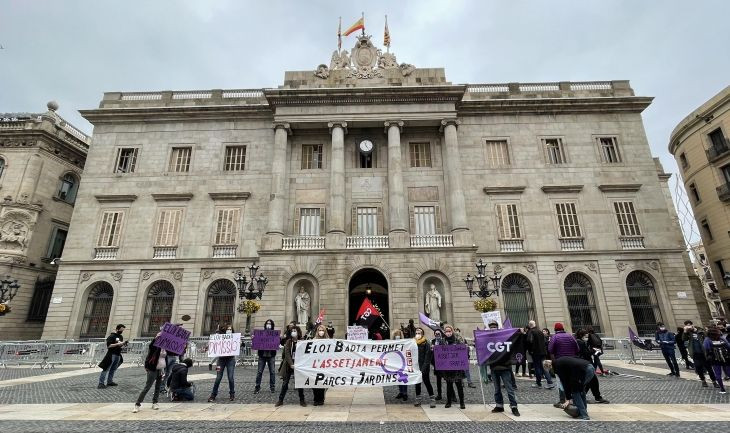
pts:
[73, 51]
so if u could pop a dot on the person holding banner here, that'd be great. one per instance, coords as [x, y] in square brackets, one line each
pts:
[438, 339]
[266, 358]
[227, 364]
[318, 394]
[425, 356]
[154, 365]
[286, 369]
[454, 377]
[402, 389]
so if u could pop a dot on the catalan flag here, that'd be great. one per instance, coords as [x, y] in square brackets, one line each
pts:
[359, 25]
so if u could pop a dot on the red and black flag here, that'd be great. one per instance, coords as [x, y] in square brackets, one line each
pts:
[367, 314]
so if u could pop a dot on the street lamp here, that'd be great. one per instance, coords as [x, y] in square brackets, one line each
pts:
[248, 290]
[483, 291]
[8, 290]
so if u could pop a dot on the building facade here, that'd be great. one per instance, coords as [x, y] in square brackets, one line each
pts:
[41, 161]
[370, 177]
[703, 270]
[700, 145]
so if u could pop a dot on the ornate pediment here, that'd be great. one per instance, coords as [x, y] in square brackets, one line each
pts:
[364, 62]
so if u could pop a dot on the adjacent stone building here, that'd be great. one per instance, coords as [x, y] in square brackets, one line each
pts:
[370, 177]
[700, 145]
[41, 160]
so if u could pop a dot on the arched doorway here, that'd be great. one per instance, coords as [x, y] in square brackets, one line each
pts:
[371, 284]
[219, 305]
[157, 307]
[644, 302]
[96, 313]
[581, 302]
[517, 297]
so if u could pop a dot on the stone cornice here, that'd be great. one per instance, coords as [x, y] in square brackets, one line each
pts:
[498, 190]
[364, 95]
[115, 198]
[634, 104]
[242, 195]
[173, 197]
[620, 187]
[147, 114]
[547, 189]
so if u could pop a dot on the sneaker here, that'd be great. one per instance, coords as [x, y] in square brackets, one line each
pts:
[448, 405]
[155, 406]
[111, 384]
[498, 410]
[256, 390]
[417, 404]
[232, 398]
[279, 403]
[670, 374]
[100, 386]
[559, 404]
[211, 399]
[585, 418]
[405, 397]
[705, 385]
[136, 408]
[601, 400]
[302, 403]
[515, 412]
[536, 385]
[550, 386]
[438, 398]
[462, 406]
[471, 385]
[723, 392]
[715, 385]
[432, 403]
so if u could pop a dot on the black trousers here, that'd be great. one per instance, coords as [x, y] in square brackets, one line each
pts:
[318, 394]
[595, 389]
[285, 387]
[450, 397]
[439, 381]
[702, 366]
[426, 381]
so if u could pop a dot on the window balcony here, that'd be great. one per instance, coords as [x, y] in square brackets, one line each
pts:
[366, 242]
[632, 243]
[723, 192]
[164, 253]
[571, 244]
[105, 253]
[303, 243]
[422, 241]
[224, 251]
[717, 152]
[511, 245]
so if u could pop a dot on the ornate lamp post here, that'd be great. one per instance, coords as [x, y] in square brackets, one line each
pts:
[8, 290]
[248, 291]
[483, 291]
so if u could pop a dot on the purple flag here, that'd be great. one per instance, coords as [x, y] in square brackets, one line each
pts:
[507, 323]
[492, 344]
[638, 342]
[434, 325]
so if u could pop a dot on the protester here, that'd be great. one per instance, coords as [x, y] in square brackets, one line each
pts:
[318, 394]
[667, 340]
[574, 374]
[154, 365]
[438, 338]
[547, 370]
[330, 330]
[682, 346]
[453, 377]
[424, 364]
[402, 389]
[177, 382]
[501, 376]
[286, 368]
[694, 338]
[537, 348]
[586, 352]
[717, 351]
[595, 344]
[113, 358]
[266, 358]
[170, 360]
[561, 344]
[287, 332]
[467, 372]
[227, 364]
[520, 351]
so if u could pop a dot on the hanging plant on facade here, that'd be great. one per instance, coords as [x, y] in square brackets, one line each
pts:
[4, 309]
[485, 304]
[249, 307]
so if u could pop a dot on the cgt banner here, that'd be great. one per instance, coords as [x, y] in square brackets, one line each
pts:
[345, 363]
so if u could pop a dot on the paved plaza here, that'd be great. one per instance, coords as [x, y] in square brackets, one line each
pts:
[66, 399]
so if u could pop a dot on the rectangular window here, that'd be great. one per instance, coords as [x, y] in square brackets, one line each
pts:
[720, 269]
[628, 225]
[126, 160]
[168, 228]
[111, 227]
[424, 218]
[693, 191]
[235, 158]
[508, 221]
[683, 160]
[420, 154]
[554, 151]
[180, 159]
[717, 140]
[367, 221]
[226, 231]
[706, 229]
[568, 220]
[310, 221]
[42, 292]
[311, 156]
[726, 173]
[497, 153]
[608, 147]
[366, 160]
[58, 240]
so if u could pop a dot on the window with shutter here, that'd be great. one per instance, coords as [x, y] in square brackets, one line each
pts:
[424, 218]
[310, 222]
[168, 227]
[568, 220]
[367, 221]
[126, 160]
[111, 226]
[554, 151]
[628, 225]
[311, 156]
[508, 221]
[608, 148]
[226, 232]
[180, 159]
[497, 153]
[235, 159]
[420, 154]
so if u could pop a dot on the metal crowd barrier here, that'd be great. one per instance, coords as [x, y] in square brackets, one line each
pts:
[34, 354]
[71, 353]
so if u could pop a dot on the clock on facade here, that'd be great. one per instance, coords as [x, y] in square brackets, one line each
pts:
[366, 146]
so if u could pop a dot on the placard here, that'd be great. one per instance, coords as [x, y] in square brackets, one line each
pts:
[492, 316]
[172, 338]
[451, 357]
[357, 333]
[338, 363]
[265, 339]
[224, 345]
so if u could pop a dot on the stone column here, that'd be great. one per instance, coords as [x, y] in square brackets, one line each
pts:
[30, 179]
[279, 181]
[336, 217]
[397, 210]
[455, 193]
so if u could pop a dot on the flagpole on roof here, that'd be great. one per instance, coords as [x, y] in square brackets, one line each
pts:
[339, 36]
[386, 36]
[363, 24]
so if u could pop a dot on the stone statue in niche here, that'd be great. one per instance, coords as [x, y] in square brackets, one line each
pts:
[302, 303]
[433, 303]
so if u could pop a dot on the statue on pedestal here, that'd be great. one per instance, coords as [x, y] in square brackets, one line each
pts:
[433, 303]
[302, 303]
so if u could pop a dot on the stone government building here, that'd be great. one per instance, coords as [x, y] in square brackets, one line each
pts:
[370, 176]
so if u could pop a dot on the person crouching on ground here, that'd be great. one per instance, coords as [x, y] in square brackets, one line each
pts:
[227, 364]
[286, 369]
[177, 382]
[453, 377]
[154, 365]
[574, 374]
[318, 394]
[586, 352]
[266, 358]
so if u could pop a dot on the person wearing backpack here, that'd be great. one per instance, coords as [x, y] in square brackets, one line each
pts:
[595, 344]
[717, 352]
[694, 338]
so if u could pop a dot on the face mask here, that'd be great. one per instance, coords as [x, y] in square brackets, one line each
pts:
[585, 338]
[662, 329]
[419, 335]
[397, 337]
[229, 331]
[320, 333]
[268, 326]
[293, 334]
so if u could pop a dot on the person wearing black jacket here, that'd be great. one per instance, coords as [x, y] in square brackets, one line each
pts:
[113, 358]
[501, 369]
[694, 337]
[178, 383]
[538, 350]
[425, 355]
[266, 358]
[574, 374]
[154, 365]
[583, 338]
[438, 338]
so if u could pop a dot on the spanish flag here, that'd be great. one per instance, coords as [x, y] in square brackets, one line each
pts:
[359, 25]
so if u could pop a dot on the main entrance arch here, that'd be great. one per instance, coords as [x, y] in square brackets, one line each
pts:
[371, 284]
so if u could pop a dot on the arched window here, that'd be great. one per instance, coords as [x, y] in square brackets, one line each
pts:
[96, 314]
[157, 308]
[517, 298]
[644, 302]
[68, 187]
[2, 167]
[581, 302]
[219, 305]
